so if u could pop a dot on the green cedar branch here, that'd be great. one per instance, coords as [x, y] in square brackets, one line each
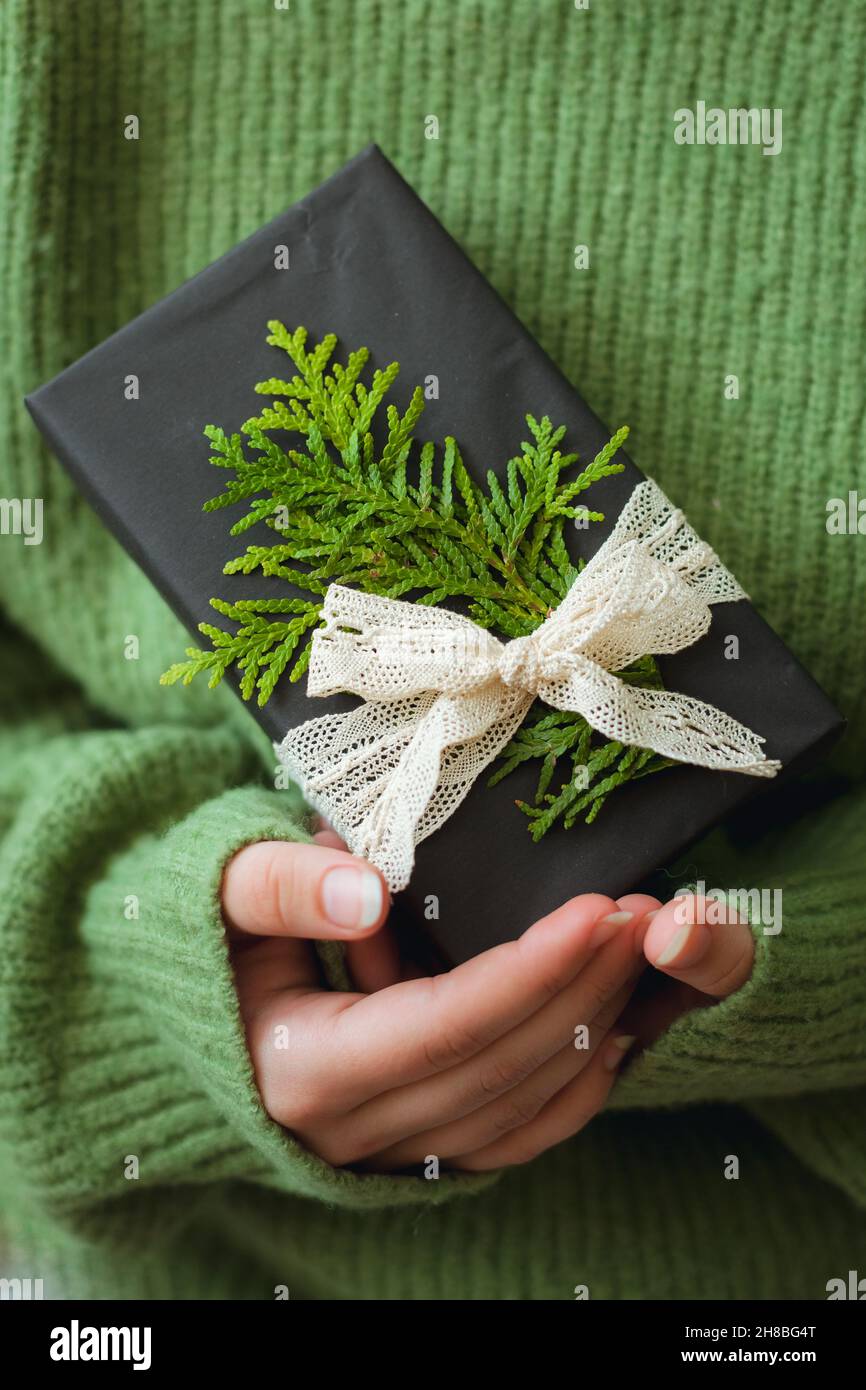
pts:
[389, 517]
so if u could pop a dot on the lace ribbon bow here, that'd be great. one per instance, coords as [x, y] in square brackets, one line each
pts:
[443, 696]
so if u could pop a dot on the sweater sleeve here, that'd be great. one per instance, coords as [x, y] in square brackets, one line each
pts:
[125, 1065]
[791, 1044]
[797, 1026]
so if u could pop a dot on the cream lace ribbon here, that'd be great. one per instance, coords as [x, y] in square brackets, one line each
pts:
[443, 696]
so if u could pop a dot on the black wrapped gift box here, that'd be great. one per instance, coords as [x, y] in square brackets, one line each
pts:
[369, 262]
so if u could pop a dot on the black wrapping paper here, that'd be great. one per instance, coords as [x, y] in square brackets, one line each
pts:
[368, 261]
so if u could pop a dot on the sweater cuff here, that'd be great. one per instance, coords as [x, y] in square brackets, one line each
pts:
[794, 1027]
[192, 1004]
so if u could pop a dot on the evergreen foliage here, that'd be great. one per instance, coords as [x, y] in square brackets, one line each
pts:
[391, 518]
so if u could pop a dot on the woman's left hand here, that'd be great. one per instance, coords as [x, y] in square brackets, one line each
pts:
[704, 949]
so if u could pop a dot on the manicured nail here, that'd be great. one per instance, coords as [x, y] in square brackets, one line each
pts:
[650, 915]
[352, 897]
[617, 1048]
[606, 927]
[674, 946]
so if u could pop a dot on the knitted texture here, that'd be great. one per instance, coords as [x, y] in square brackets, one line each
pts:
[444, 696]
[120, 801]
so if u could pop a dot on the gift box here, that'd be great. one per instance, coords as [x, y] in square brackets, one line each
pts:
[364, 258]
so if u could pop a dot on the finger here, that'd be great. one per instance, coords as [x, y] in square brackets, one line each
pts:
[515, 1108]
[570, 1110]
[639, 905]
[329, 838]
[374, 963]
[421, 1027]
[519, 1072]
[337, 1050]
[703, 943]
[649, 1017]
[274, 888]
[269, 968]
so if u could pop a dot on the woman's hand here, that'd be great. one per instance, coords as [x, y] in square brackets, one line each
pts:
[485, 1065]
[706, 951]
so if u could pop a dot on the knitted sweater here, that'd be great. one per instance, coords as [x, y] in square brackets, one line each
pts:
[136, 1159]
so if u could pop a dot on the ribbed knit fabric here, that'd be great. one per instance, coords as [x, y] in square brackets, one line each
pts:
[120, 801]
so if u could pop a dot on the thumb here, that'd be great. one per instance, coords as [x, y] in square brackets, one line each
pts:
[274, 888]
[702, 942]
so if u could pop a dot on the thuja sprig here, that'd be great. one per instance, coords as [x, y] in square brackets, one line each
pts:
[587, 767]
[393, 518]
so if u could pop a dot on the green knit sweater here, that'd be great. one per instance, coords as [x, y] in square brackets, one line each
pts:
[120, 801]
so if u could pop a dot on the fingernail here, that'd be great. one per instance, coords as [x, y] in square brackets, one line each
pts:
[606, 927]
[650, 915]
[352, 897]
[616, 1050]
[674, 946]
